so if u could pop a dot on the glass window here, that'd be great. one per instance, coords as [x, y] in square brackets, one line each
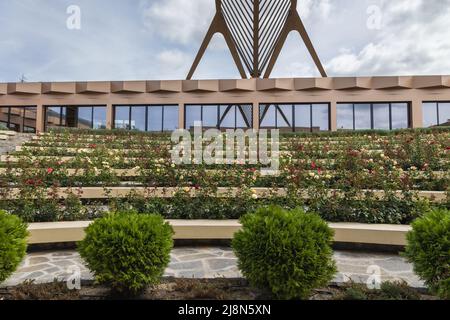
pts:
[320, 117]
[345, 116]
[53, 115]
[400, 116]
[138, 118]
[210, 114]
[85, 117]
[170, 118]
[268, 116]
[99, 118]
[227, 119]
[381, 116]
[284, 117]
[436, 113]
[122, 118]
[302, 117]
[20, 119]
[244, 116]
[362, 117]
[444, 114]
[154, 122]
[193, 114]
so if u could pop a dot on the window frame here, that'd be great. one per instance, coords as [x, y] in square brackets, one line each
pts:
[91, 106]
[23, 116]
[146, 106]
[218, 106]
[371, 113]
[293, 114]
[438, 103]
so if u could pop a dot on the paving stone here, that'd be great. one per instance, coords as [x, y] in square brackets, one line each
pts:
[191, 265]
[197, 256]
[210, 262]
[37, 260]
[62, 254]
[394, 264]
[35, 275]
[218, 264]
[36, 267]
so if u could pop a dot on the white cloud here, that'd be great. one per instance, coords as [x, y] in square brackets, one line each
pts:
[308, 8]
[180, 21]
[414, 39]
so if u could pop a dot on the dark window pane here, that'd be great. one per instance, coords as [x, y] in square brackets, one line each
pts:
[345, 116]
[320, 117]
[381, 116]
[155, 115]
[400, 116]
[244, 115]
[430, 116]
[267, 116]
[227, 117]
[209, 117]
[170, 118]
[71, 117]
[193, 114]
[362, 117]
[302, 117]
[444, 114]
[99, 118]
[138, 118]
[122, 118]
[284, 117]
[85, 117]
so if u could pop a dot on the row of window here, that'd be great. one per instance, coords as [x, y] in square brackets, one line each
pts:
[436, 114]
[86, 117]
[219, 116]
[295, 117]
[286, 117]
[146, 118]
[20, 119]
[364, 116]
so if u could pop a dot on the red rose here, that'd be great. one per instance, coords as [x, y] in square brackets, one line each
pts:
[50, 170]
[313, 165]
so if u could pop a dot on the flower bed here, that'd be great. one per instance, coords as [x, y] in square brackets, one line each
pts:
[340, 175]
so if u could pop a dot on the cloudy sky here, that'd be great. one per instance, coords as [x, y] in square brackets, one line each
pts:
[158, 39]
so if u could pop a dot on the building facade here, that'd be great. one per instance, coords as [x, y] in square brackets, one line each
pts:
[291, 105]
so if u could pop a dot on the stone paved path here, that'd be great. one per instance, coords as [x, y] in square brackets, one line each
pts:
[9, 145]
[210, 262]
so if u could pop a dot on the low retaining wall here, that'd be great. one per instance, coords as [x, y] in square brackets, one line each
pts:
[378, 234]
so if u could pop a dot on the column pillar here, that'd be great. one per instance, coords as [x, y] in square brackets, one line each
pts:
[416, 113]
[333, 116]
[109, 116]
[181, 116]
[40, 118]
[256, 115]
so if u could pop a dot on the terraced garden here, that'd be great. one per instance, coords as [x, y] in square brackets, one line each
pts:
[367, 177]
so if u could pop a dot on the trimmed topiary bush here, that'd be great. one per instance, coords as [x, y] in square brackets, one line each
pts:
[127, 251]
[429, 250]
[13, 243]
[286, 252]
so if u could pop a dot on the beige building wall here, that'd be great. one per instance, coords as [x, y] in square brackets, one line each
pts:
[414, 90]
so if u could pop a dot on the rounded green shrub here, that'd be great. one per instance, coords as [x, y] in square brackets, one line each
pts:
[428, 249]
[13, 243]
[127, 251]
[285, 252]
